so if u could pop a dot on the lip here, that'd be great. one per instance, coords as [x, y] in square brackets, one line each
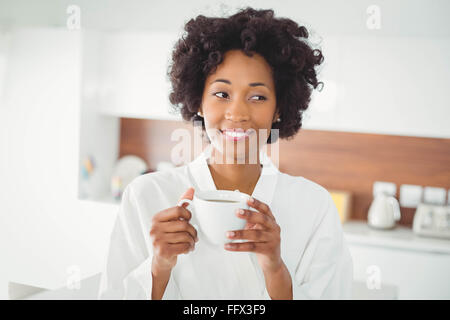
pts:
[228, 137]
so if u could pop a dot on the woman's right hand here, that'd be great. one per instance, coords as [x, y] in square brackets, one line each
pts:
[171, 235]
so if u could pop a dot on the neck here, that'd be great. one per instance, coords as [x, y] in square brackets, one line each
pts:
[232, 176]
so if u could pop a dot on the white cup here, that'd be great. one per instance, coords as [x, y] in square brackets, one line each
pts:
[215, 212]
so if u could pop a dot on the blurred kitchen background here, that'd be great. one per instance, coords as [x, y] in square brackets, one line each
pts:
[84, 109]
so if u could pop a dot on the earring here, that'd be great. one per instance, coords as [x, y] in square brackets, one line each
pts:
[278, 120]
[199, 114]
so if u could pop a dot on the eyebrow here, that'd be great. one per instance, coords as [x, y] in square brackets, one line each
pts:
[253, 84]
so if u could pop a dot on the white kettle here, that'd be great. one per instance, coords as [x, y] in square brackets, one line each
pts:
[384, 212]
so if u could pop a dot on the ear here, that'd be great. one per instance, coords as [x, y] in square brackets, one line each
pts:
[276, 116]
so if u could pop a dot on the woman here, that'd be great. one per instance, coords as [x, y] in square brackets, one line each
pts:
[253, 73]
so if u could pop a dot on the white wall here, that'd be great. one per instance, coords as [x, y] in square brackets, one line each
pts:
[44, 228]
[331, 17]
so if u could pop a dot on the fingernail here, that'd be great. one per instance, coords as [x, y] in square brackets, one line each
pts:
[251, 200]
[230, 234]
[240, 211]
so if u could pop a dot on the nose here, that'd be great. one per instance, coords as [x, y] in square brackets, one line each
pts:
[237, 112]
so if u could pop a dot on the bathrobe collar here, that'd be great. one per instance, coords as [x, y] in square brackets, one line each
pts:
[202, 179]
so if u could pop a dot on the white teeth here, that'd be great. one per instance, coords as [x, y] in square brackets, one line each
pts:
[234, 134]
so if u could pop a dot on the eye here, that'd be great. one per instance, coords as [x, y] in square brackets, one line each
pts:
[262, 98]
[220, 93]
[225, 95]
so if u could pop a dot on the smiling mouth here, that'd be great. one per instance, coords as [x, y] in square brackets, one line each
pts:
[234, 135]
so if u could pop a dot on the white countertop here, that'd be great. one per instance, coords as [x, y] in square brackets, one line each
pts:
[358, 232]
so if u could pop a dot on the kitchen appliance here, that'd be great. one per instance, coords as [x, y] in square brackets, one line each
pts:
[432, 220]
[384, 211]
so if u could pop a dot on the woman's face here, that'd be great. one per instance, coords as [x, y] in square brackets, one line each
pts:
[239, 96]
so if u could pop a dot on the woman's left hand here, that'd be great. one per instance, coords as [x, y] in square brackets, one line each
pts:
[263, 234]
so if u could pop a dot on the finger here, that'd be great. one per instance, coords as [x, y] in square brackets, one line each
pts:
[251, 234]
[249, 246]
[179, 248]
[178, 237]
[174, 213]
[253, 226]
[249, 226]
[256, 217]
[188, 194]
[178, 226]
[260, 206]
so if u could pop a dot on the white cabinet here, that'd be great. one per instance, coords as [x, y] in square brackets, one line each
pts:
[124, 74]
[415, 274]
[417, 268]
[133, 75]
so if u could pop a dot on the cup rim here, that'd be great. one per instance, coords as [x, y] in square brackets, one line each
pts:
[208, 195]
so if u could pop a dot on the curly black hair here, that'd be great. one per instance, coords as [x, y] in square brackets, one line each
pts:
[281, 41]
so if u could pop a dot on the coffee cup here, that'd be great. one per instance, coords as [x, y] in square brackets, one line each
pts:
[215, 213]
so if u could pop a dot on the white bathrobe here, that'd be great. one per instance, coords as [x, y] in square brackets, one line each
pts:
[312, 244]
